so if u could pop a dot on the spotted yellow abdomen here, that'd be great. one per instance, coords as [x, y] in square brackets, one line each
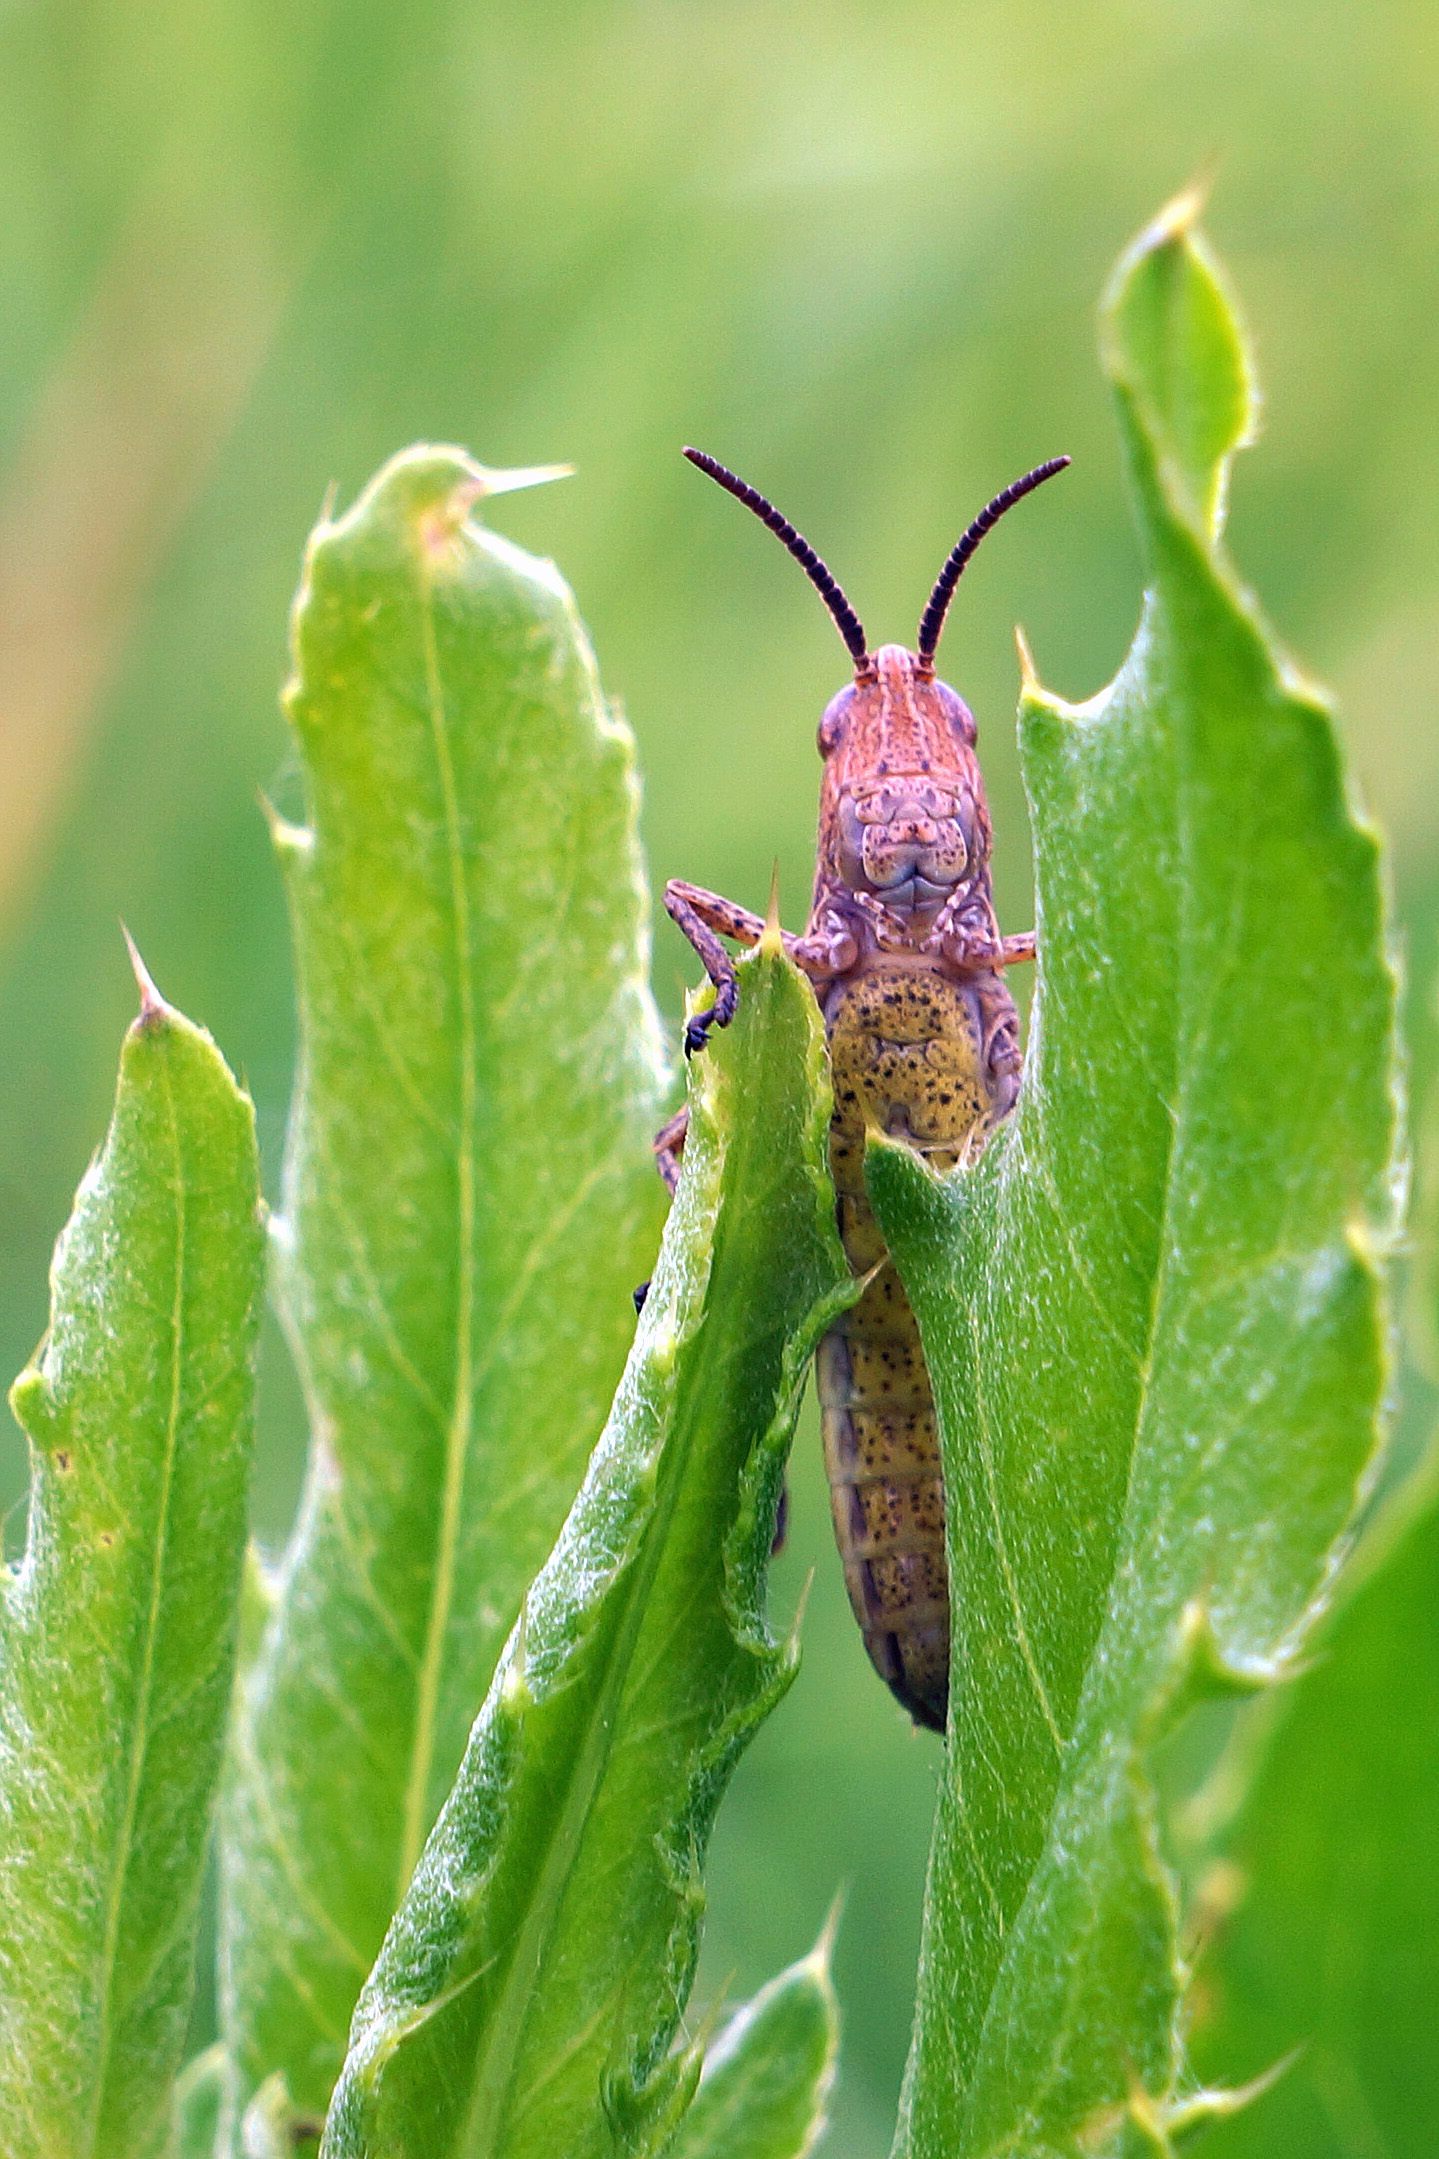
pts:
[908, 1056]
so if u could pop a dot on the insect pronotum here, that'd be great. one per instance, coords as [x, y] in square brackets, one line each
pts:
[907, 961]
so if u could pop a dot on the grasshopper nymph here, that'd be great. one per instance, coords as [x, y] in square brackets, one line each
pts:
[907, 961]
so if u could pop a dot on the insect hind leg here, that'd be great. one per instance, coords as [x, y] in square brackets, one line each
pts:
[669, 1145]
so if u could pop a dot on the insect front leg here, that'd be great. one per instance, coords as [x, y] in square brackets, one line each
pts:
[827, 949]
[966, 933]
[965, 929]
[699, 915]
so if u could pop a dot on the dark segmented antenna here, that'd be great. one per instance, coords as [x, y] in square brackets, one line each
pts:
[932, 620]
[851, 629]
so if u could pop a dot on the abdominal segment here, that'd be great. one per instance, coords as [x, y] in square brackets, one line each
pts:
[907, 1055]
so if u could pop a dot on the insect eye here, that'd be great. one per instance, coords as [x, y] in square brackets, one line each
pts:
[831, 725]
[961, 719]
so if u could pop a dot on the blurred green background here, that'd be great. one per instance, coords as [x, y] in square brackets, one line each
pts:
[249, 250]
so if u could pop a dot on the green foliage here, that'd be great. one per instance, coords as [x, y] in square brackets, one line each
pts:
[249, 251]
[472, 1786]
[468, 1197]
[768, 2075]
[1325, 1946]
[1152, 1314]
[528, 1991]
[119, 1624]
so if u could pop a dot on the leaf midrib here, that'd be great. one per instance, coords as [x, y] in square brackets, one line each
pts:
[140, 1730]
[415, 1820]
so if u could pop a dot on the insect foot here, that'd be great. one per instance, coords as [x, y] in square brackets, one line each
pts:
[719, 1014]
[697, 1030]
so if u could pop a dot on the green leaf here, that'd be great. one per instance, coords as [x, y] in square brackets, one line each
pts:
[1152, 1312]
[768, 2076]
[200, 2092]
[469, 1200]
[1172, 349]
[1326, 1918]
[534, 1976]
[120, 1622]
[1312, 1845]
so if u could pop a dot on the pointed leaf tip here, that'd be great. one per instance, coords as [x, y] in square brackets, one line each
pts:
[1217, 2103]
[1181, 214]
[820, 1956]
[497, 480]
[1175, 349]
[152, 1004]
[424, 496]
[1207, 1669]
[440, 524]
[796, 1625]
[771, 941]
[1030, 686]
